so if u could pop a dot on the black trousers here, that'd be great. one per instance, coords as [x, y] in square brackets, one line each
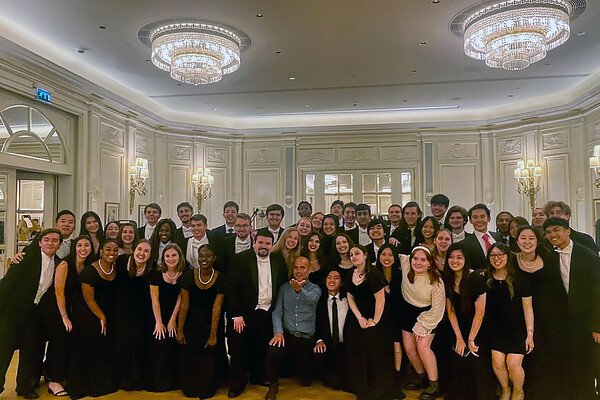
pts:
[248, 349]
[332, 367]
[11, 328]
[300, 350]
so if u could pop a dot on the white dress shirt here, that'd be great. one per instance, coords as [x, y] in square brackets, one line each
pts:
[64, 249]
[342, 307]
[565, 264]
[363, 236]
[479, 236]
[275, 234]
[392, 229]
[242, 245]
[265, 284]
[192, 250]
[161, 249]
[149, 231]
[458, 237]
[187, 232]
[229, 229]
[46, 277]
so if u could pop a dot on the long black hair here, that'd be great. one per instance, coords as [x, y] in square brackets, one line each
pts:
[510, 267]
[448, 275]
[83, 230]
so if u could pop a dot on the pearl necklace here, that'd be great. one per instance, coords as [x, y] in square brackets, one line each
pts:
[532, 266]
[112, 268]
[172, 278]
[209, 279]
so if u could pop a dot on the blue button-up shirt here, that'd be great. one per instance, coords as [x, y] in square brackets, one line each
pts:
[296, 312]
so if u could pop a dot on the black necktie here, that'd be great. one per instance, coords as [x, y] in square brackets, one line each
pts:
[335, 331]
[230, 230]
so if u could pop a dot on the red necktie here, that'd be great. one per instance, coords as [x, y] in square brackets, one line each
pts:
[486, 239]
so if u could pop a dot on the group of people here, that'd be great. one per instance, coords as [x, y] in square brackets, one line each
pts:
[366, 305]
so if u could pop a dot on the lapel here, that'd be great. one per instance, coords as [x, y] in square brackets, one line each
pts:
[254, 269]
[274, 277]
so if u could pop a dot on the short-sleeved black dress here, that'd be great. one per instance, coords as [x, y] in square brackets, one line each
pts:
[506, 317]
[163, 360]
[92, 359]
[202, 369]
[132, 320]
[370, 352]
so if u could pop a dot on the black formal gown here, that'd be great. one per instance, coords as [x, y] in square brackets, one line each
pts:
[132, 321]
[544, 370]
[471, 377]
[505, 315]
[202, 369]
[370, 356]
[92, 359]
[163, 360]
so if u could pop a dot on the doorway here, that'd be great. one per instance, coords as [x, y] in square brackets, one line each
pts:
[36, 199]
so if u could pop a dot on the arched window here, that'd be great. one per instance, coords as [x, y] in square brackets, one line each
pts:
[25, 131]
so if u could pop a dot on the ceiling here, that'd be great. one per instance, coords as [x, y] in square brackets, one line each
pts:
[354, 62]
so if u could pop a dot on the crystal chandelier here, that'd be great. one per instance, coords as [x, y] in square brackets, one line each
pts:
[194, 51]
[513, 34]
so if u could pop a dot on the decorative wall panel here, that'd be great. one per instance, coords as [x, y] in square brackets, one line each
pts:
[557, 178]
[179, 152]
[510, 147]
[358, 154]
[457, 151]
[463, 190]
[111, 175]
[316, 155]
[111, 135]
[552, 141]
[263, 156]
[398, 153]
[217, 155]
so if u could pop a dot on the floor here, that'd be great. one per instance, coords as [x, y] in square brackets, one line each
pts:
[289, 389]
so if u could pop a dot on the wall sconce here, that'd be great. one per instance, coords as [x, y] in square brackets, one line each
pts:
[595, 164]
[528, 180]
[138, 173]
[202, 182]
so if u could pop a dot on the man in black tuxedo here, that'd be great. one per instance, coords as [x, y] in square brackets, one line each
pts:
[230, 212]
[201, 236]
[562, 210]
[394, 217]
[184, 212]
[439, 205]
[21, 290]
[503, 225]
[304, 209]
[377, 233]
[477, 245]
[234, 244]
[254, 279]
[363, 217]
[405, 236]
[580, 275]
[330, 350]
[456, 219]
[337, 208]
[350, 226]
[275, 215]
[152, 213]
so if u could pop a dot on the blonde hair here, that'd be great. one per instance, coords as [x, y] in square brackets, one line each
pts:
[289, 255]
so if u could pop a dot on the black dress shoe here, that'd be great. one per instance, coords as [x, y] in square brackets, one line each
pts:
[430, 394]
[234, 393]
[272, 393]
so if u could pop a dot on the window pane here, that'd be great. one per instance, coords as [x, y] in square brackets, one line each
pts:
[331, 183]
[371, 200]
[385, 183]
[310, 183]
[385, 201]
[17, 118]
[406, 197]
[369, 183]
[345, 183]
[406, 182]
[39, 124]
[330, 198]
[346, 198]
[31, 195]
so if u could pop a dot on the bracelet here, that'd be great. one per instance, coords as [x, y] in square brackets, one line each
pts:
[530, 330]
[359, 318]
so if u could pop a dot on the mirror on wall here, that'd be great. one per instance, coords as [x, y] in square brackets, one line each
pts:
[30, 209]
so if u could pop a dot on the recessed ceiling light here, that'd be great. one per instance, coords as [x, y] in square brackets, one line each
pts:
[414, 71]
[259, 15]
[511, 95]
[147, 60]
[547, 64]
[292, 78]
[179, 84]
[354, 105]
[405, 101]
[215, 109]
[102, 27]
[456, 98]
[260, 108]
[435, 1]
[580, 33]
[423, 43]
[307, 105]
[279, 52]
[81, 51]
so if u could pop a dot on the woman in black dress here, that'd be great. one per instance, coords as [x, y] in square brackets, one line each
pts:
[111, 230]
[163, 361]
[510, 314]
[131, 316]
[471, 373]
[329, 228]
[389, 265]
[288, 246]
[127, 237]
[370, 358]
[544, 367]
[342, 243]
[163, 234]
[513, 228]
[318, 262]
[425, 232]
[92, 358]
[200, 328]
[91, 226]
[66, 284]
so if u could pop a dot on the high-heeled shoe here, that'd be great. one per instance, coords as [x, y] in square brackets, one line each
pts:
[60, 393]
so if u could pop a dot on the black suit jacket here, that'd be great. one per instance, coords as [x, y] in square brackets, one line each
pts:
[142, 232]
[226, 251]
[402, 234]
[220, 233]
[242, 282]
[353, 233]
[584, 290]
[584, 239]
[475, 252]
[19, 286]
[323, 323]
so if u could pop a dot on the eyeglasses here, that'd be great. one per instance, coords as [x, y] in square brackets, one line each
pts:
[241, 226]
[497, 256]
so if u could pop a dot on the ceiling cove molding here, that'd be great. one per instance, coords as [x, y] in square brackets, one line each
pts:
[73, 93]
